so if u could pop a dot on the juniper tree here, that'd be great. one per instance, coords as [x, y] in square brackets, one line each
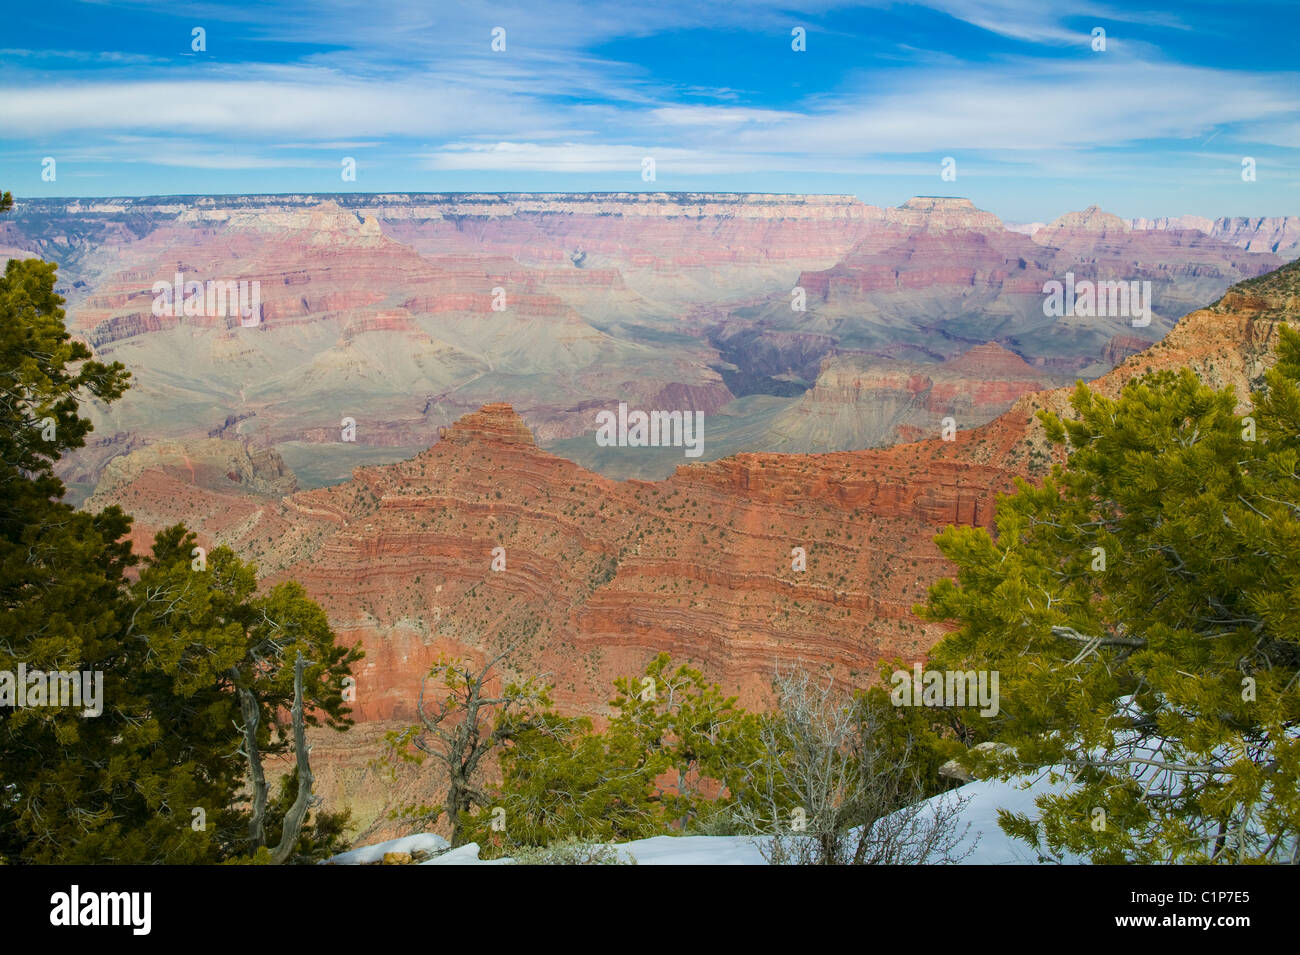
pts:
[1142, 610]
[178, 648]
[675, 750]
[466, 714]
[708, 741]
[265, 664]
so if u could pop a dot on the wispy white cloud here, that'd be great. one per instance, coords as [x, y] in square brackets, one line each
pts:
[1045, 22]
[418, 84]
[1035, 106]
[627, 159]
[97, 57]
[721, 115]
[1023, 105]
[575, 157]
[272, 102]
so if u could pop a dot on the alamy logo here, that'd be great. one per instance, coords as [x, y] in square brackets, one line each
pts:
[657, 429]
[210, 299]
[103, 908]
[1089, 299]
[948, 688]
[28, 688]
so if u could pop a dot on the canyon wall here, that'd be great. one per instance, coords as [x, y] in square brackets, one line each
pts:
[402, 313]
[596, 576]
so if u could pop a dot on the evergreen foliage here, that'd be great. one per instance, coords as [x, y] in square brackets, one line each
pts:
[675, 748]
[156, 777]
[1142, 608]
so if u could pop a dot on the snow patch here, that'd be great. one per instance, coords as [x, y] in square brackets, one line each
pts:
[464, 855]
[420, 842]
[983, 800]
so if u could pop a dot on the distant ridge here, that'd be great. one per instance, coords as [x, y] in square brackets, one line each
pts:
[1276, 234]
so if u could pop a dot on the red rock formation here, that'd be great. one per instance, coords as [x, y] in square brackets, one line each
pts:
[385, 308]
[612, 572]
[600, 575]
[943, 260]
[700, 563]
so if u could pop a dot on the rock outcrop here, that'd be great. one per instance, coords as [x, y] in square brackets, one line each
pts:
[862, 402]
[608, 572]
[1279, 235]
[940, 276]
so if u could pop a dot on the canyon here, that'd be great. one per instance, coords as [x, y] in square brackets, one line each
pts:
[610, 571]
[404, 312]
[599, 575]
[422, 396]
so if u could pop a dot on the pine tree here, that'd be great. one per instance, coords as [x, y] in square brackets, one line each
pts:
[224, 655]
[676, 750]
[155, 775]
[1142, 610]
[61, 588]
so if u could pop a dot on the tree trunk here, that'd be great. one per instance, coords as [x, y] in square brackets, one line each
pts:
[297, 814]
[457, 802]
[257, 778]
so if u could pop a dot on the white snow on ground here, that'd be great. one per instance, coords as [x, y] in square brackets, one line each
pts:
[464, 855]
[985, 798]
[421, 841]
[695, 850]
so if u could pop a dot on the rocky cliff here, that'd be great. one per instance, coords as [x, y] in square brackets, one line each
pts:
[701, 563]
[1279, 235]
[484, 537]
[860, 401]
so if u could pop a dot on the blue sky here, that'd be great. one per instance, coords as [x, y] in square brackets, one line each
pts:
[1037, 121]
